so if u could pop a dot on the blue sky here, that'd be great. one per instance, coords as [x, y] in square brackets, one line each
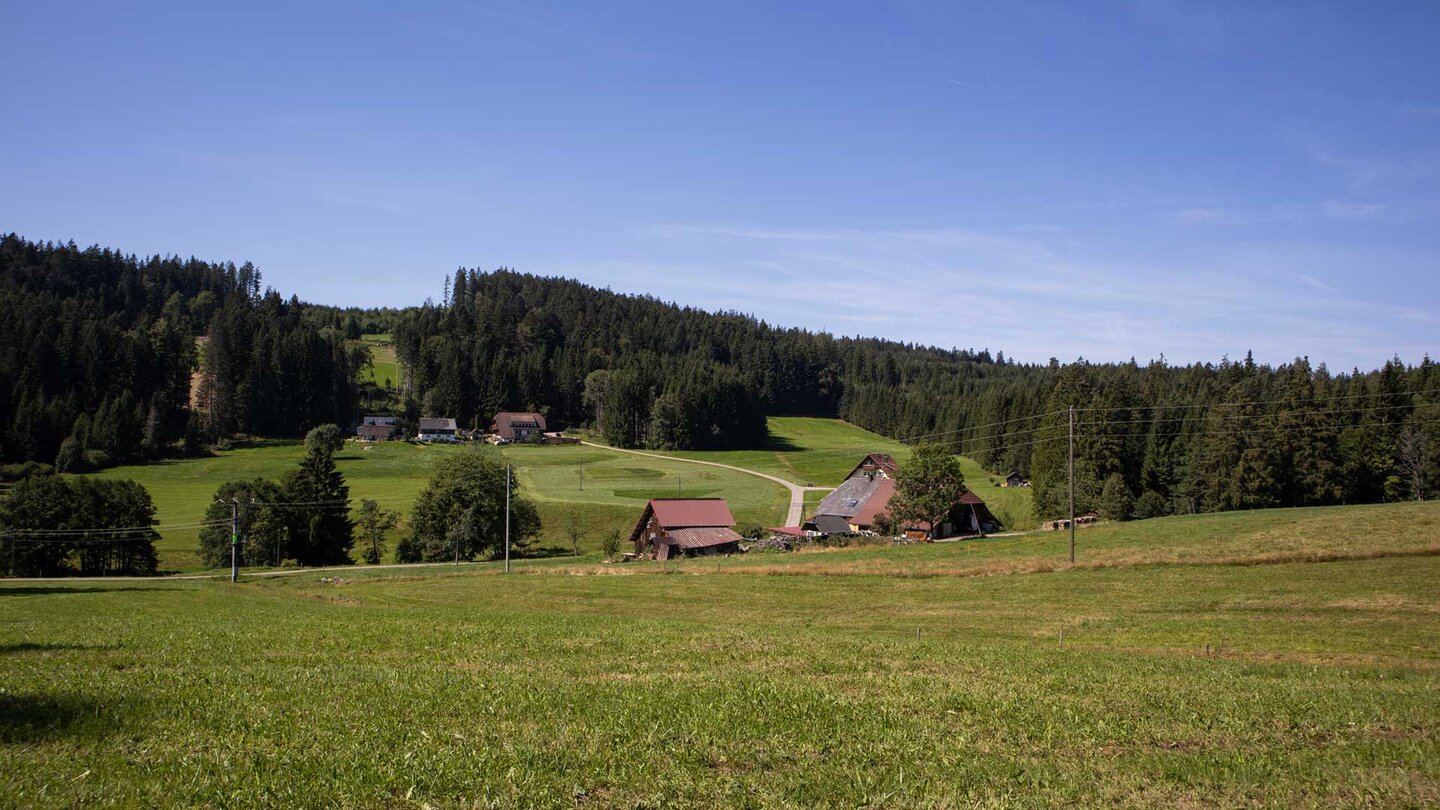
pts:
[1098, 179]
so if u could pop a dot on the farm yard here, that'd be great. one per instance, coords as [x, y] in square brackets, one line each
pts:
[905, 686]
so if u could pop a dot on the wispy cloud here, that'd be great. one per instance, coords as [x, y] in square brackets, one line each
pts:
[1029, 295]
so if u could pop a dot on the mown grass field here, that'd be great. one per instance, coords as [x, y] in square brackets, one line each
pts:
[616, 487]
[544, 689]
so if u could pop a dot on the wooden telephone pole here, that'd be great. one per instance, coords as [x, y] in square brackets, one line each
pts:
[1072, 483]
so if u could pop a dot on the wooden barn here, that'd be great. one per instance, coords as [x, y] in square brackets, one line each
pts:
[690, 527]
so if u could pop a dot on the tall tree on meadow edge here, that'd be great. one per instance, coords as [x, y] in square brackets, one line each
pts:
[258, 515]
[928, 487]
[317, 509]
[66, 504]
[374, 523]
[461, 512]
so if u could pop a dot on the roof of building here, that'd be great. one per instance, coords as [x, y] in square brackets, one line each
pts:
[435, 423]
[884, 461]
[971, 498]
[876, 505]
[680, 513]
[831, 524]
[520, 419]
[850, 497]
[702, 537]
[684, 513]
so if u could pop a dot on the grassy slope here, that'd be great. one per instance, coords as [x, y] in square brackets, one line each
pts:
[393, 473]
[384, 366]
[820, 450]
[701, 691]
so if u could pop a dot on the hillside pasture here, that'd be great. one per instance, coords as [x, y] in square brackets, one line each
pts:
[1300, 684]
[383, 363]
[393, 473]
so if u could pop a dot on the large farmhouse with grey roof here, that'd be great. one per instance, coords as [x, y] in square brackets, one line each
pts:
[865, 495]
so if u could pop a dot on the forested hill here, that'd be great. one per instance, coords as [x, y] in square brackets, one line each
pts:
[652, 373]
[1155, 438]
[98, 349]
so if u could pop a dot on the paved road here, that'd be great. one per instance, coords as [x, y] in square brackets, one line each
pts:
[797, 492]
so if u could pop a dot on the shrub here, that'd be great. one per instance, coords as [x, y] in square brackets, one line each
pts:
[1151, 505]
[611, 544]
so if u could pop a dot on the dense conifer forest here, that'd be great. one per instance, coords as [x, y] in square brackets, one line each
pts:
[99, 350]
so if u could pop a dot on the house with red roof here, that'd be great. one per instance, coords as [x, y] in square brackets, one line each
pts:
[519, 427]
[671, 527]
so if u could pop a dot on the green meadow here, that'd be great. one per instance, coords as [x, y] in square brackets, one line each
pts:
[615, 487]
[583, 493]
[1244, 675]
[383, 365]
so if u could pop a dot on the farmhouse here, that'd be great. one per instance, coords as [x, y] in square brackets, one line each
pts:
[378, 428]
[1015, 479]
[434, 429]
[518, 427]
[865, 495]
[685, 526]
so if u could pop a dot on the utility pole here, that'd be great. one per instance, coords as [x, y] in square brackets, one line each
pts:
[679, 484]
[1072, 483]
[234, 539]
[507, 518]
[582, 476]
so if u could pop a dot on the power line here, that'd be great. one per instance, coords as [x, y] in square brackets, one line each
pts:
[1271, 415]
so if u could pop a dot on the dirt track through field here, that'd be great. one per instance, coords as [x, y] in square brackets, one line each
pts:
[797, 492]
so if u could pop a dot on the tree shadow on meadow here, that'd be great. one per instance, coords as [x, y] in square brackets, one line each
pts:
[36, 718]
[44, 646]
[42, 590]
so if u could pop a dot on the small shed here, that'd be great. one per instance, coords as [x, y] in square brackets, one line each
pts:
[671, 527]
[1015, 479]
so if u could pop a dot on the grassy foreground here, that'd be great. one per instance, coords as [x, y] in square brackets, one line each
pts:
[1322, 688]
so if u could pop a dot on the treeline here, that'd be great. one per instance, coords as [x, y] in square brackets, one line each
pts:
[53, 525]
[1159, 440]
[669, 376]
[99, 348]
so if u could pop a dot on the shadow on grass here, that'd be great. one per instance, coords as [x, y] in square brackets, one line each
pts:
[33, 718]
[42, 646]
[780, 444]
[41, 590]
[547, 552]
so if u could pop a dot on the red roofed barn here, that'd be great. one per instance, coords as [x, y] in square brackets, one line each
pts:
[689, 526]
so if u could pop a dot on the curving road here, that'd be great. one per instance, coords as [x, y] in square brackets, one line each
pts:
[797, 492]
